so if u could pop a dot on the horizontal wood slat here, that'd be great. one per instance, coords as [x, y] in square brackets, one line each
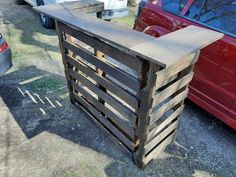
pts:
[161, 136]
[159, 149]
[122, 124]
[103, 128]
[109, 69]
[172, 70]
[167, 106]
[120, 55]
[105, 122]
[106, 97]
[170, 90]
[166, 82]
[112, 87]
[167, 121]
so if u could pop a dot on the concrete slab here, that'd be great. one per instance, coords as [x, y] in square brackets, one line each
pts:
[11, 134]
[49, 155]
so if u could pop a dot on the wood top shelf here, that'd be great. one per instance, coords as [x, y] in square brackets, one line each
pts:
[164, 51]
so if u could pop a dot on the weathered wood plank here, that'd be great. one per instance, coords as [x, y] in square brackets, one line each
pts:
[104, 129]
[156, 114]
[168, 49]
[123, 56]
[144, 110]
[171, 71]
[109, 69]
[101, 73]
[167, 121]
[115, 34]
[65, 63]
[170, 90]
[158, 149]
[124, 125]
[112, 87]
[161, 136]
[104, 96]
[175, 46]
[104, 122]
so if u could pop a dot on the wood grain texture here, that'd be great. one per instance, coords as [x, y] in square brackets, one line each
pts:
[167, 121]
[159, 149]
[174, 46]
[109, 85]
[108, 68]
[123, 56]
[156, 114]
[170, 90]
[160, 137]
[128, 114]
[127, 142]
[83, 104]
[105, 123]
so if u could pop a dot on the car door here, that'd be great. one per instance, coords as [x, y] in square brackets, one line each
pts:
[214, 80]
[215, 72]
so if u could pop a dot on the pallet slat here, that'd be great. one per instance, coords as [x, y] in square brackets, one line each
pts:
[103, 120]
[167, 121]
[170, 90]
[161, 136]
[112, 87]
[159, 149]
[106, 97]
[104, 129]
[109, 69]
[172, 70]
[105, 123]
[122, 124]
[120, 55]
[167, 106]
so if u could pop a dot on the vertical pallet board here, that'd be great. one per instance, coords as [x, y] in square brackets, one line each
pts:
[133, 94]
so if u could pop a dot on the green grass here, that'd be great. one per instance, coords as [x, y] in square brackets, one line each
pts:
[129, 20]
[45, 84]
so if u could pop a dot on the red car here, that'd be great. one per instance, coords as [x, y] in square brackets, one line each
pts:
[214, 85]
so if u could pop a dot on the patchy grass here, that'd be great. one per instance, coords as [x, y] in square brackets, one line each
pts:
[129, 20]
[46, 84]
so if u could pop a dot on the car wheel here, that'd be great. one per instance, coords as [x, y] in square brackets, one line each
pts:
[20, 2]
[46, 21]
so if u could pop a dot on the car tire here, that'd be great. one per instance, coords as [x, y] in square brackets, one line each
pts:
[46, 21]
[20, 2]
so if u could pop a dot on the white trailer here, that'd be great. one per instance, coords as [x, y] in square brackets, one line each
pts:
[112, 9]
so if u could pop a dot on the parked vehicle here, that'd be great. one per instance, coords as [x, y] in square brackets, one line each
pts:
[214, 85]
[5, 56]
[113, 9]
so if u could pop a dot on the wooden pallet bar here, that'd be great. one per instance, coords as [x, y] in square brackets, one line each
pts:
[132, 85]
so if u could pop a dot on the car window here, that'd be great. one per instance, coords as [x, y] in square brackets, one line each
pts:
[216, 13]
[174, 6]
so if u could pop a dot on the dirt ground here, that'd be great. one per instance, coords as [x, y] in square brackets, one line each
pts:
[43, 135]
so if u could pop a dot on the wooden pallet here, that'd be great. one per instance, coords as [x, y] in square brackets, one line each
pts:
[132, 85]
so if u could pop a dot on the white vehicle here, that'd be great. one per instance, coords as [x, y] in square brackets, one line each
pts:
[113, 9]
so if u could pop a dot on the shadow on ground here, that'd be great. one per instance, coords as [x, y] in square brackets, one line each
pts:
[39, 102]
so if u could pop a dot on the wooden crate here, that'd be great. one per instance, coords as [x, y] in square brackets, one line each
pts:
[132, 85]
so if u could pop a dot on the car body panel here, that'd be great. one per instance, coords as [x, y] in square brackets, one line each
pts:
[5, 61]
[5, 56]
[214, 83]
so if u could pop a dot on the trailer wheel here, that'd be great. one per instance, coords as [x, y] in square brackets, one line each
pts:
[46, 21]
[20, 2]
